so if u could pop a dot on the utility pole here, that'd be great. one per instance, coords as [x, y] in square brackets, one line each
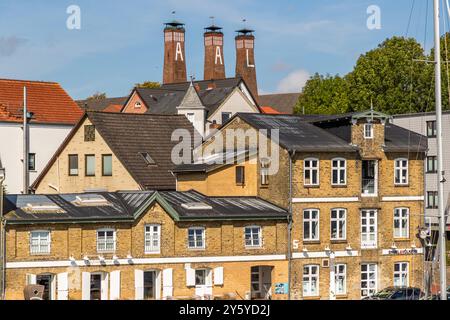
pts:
[441, 180]
[25, 143]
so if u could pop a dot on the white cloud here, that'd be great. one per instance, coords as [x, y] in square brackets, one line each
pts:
[294, 81]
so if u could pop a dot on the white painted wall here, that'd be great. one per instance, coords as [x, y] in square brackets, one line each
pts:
[44, 141]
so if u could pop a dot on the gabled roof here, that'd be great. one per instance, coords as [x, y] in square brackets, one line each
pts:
[168, 97]
[282, 102]
[128, 206]
[129, 135]
[101, 104]
[191, 100]
[49, 102]
[295, 134]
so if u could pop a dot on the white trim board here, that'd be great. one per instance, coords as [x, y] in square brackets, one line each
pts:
[138, 261]
[324, 254]
[404, 198]
[337, 199]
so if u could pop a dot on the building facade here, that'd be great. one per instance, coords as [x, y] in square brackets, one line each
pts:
[145, 245]
[357, 199]
[54, 115]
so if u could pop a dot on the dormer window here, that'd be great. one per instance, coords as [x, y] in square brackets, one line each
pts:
[368, 131]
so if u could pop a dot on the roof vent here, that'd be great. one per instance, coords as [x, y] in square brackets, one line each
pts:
[91, 200]
[43, 208]
[196, 206]
[148, 159]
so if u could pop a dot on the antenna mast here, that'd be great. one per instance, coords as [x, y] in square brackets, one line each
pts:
[441, 180]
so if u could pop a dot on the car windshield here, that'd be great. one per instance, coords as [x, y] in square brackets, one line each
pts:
[385, 293]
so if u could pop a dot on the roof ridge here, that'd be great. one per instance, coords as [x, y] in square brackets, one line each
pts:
[137, 114]
[30, 81]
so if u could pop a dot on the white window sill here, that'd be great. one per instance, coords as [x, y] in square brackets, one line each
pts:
[152, 252]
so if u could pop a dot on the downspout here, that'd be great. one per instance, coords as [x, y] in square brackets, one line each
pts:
[289, 250]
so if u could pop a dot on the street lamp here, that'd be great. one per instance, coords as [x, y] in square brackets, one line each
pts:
[2, 235]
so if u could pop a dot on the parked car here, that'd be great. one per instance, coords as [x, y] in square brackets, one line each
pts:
[437, 296]
[397, 293]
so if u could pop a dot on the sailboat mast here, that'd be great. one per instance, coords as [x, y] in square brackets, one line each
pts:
[442, 220]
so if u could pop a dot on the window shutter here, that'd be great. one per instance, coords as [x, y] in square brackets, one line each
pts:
[167, 283]
[190, 277]
[86, 286]
[31, 279]
[138, 284]
[114, 293]
[218, 276]
[63, 286]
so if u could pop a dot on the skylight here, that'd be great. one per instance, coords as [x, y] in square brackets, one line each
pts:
[42, 208]
[196, 206]
[91, 200]
[147, 158]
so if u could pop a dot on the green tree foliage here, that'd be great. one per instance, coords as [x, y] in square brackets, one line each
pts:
[390, 76]
[148, 84]
[324, 95]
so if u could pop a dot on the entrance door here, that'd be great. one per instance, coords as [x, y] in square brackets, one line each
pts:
[203, 282]
[149, 285]
[46, 280]
[96, 286]
[261, 282]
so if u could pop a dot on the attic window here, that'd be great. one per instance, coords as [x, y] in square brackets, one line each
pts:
[42, 208]
[148, 159]
[137, 105]
[368, 131]
[90, 200]
[196, 206]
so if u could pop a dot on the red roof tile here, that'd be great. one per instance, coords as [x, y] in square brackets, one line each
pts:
[47, 100]
[113, 108]
[269, 110]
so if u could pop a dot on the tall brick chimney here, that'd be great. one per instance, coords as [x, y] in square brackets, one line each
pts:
[245, 59]
[214, 61]
[174, 54]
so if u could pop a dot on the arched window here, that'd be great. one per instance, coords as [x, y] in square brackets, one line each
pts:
[311, 172]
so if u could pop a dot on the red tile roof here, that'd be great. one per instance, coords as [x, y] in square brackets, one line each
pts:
[47, 100]
[113, 108]
[269, 110]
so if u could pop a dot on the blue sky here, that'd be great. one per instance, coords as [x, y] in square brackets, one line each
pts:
[120, 42]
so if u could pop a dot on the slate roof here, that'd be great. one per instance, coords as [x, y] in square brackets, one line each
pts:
[101, 104]
[128, 135]
[127, 205]
[397, 139]
[282, 102]
[49, 102]
[295, 134]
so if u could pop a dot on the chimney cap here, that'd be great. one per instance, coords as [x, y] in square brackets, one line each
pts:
[245, 31]
[174, 24]
[213, 28]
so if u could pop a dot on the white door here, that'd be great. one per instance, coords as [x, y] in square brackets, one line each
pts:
[203, 282]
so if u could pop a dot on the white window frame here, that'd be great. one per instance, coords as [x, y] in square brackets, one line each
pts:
[368, 134]
[370, 289]
[203, 238]
[311, 221]
[336, 220]
[401, 274]
[40, 251]
[339, 169]
[368, 244]
[311, 169]
[252, 239]
[137, 105]
[343, 275]
[105, 241]
[403, 232]
[307, 280]
[400, 169]
[149, 237]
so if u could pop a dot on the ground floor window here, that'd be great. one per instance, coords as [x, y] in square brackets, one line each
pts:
[401, 274]
[340, 274]
[368, 279]
[311, 280]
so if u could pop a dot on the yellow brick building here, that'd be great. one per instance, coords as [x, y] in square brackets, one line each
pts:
[145, 245]
[355, 184]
